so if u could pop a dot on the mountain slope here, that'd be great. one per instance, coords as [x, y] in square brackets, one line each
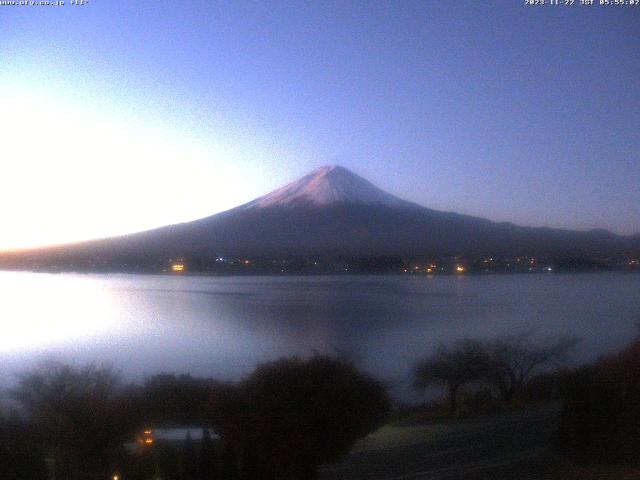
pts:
[334, 212]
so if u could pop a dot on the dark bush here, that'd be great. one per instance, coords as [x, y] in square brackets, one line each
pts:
[207, 457]
[81, 417]
[21, 455]
[176, 399]
[548, 387]
[601, 413]
[292, 415]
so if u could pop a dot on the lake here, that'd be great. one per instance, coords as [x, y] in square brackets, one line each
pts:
[223, 326]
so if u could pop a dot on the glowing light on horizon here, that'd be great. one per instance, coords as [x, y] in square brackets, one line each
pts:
[74, 171]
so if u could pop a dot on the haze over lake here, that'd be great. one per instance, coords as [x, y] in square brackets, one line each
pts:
[223, 326]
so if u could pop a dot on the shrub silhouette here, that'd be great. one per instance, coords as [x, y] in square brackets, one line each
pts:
[207, 457]
[281, 422]
[21, 457]
[229, 463]
[80, 416]
[176, 399]
[189, 460]
[601, 412]
[292, 415]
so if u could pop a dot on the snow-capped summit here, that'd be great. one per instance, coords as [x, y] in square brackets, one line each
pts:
[329, 185]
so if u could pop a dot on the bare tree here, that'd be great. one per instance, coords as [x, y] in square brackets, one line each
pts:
[513, 360]
[463, 363]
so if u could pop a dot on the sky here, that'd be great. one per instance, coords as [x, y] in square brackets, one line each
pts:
[120, 116]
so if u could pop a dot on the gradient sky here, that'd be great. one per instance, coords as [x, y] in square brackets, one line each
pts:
[120, 116]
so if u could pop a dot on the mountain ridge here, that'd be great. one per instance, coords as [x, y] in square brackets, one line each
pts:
[331, 212]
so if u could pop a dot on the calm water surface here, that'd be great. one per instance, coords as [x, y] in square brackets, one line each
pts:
[223, 326]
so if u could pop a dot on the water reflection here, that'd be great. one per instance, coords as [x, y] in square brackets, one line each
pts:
[223, 326]
[47, 310]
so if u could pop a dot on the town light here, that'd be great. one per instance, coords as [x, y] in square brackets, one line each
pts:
[148, 437]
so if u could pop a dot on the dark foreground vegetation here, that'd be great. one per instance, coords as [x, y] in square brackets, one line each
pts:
[601, 415]
[598, 434]
[281, 422]
[293, 415]
[484, 369]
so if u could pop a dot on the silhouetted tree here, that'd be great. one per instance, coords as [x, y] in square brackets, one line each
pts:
[601, 411]
[229, 465]
[189, 460]
[465, 362]
[513, 360]
[78, 415]
[227, 409]
[168, 462]
[180, 399]
[296, 414]
[207, 457]
[250, 466]
[506, 364]
[143, 465]
[21, 455]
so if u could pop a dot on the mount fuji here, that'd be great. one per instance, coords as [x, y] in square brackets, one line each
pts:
[329, 185]
[331, 212]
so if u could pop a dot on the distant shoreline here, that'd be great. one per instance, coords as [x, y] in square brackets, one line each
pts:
[319, 274]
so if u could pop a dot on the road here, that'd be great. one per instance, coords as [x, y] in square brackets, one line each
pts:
[500, 447]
